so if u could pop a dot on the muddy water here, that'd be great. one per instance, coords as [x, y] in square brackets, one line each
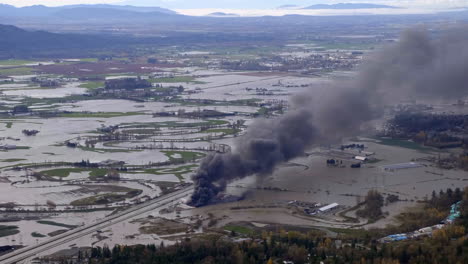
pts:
[67, 89]
[309, 179]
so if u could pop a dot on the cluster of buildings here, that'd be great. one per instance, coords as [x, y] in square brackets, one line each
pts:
[51, 82]
[353, 153]
[302, 62]
[134, 89]
[426, 231]
[314, 208]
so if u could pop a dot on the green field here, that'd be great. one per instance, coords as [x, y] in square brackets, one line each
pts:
[262, 111]
[93, 173]
[239, 229]
[49, 153]
[97, 173]
[106, 198]
[52, 223]
[226, 131]
[352, 233]
[185, 155]
[402, 144]
[178, 171]
[98, 114]
[11, 160]
[14, 62]
[17, 147]
[92, 85]
[63, 172]
[16, 71]
[8, 230]
[37, 234]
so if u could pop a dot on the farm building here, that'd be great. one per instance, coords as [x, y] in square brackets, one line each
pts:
[328, 207]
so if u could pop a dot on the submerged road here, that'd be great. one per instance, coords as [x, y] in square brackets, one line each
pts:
[60, 240]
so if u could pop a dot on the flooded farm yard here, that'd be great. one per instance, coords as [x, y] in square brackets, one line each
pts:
[308, 179]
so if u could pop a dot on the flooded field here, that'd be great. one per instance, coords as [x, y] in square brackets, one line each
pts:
[77, 145]
[309, 179]
[90, 156]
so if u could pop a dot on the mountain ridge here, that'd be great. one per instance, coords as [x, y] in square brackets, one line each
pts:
[342, 6]
[44, 11]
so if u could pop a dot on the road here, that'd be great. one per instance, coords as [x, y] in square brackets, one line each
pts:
[60, 240]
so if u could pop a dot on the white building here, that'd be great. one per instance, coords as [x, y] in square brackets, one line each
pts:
[328, 207]
[360, 158]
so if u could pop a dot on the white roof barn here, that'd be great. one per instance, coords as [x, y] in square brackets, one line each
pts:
[328, 207]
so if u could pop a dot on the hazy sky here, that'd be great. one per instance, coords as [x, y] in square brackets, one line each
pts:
[238, 4]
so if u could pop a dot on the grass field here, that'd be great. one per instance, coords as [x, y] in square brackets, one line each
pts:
[98, 114]
[63, 172]
[262, 111]
[352, 233]
[14, 62]
[226, 131]
[92, 85]
[178, 172]
[97, 173]
[37, 234]
[52, 223]
[17, 147]
[11, 160]
[106, 198]
[402, 144]
[185, 155]
[239, 229]
[93, 173]
[8, 230]
[16, 71]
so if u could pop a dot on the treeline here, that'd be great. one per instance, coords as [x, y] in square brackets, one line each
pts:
[437, 130]
[415, 122]
[372, 206]
[127, 84]
[447, 246]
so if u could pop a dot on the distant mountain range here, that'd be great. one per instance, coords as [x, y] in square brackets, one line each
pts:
[348, 6]
[81, 11]
[288, 7]
[17, 42]
[222, 14]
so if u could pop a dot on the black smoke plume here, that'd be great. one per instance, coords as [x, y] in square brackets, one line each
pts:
[417, 66]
